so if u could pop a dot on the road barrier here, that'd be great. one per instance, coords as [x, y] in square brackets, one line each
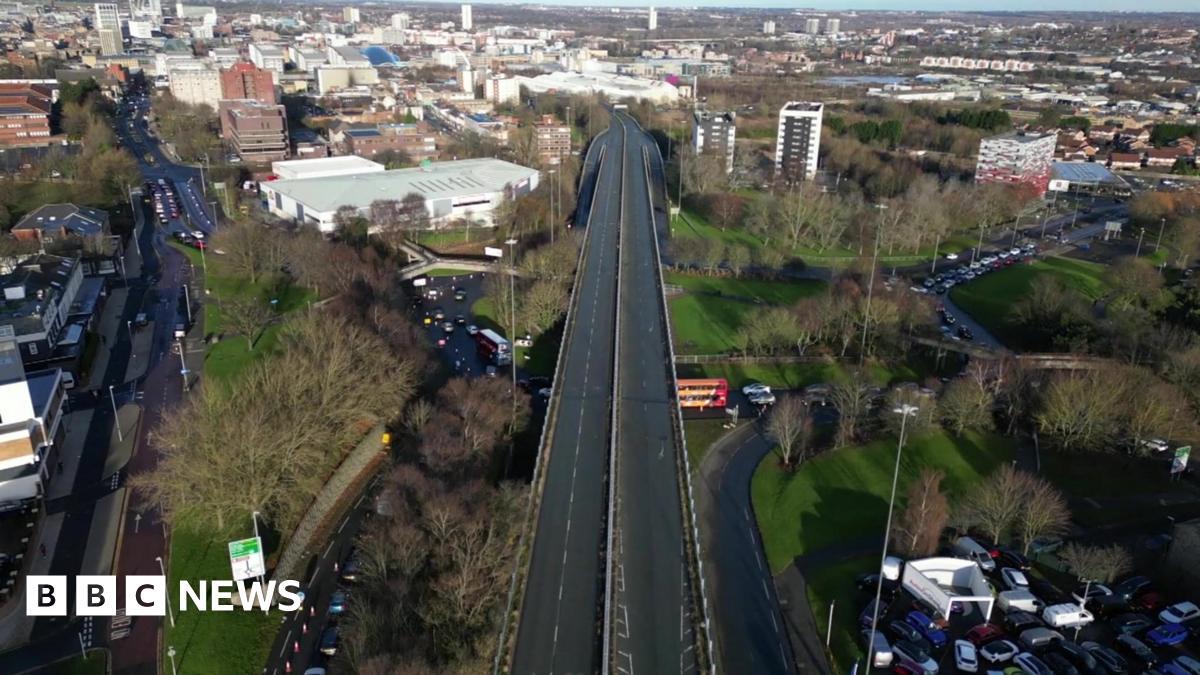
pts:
[512, 614]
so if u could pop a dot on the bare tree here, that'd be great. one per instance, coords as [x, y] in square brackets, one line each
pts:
[252, 250]
[1044, 513]
[925, 515]
[1101, 564]
[851, 397]
[246, 316]
[790, 427]
[995, 504]
[965, 404]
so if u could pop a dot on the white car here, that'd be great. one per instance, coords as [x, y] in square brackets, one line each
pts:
[763, 398]
[756, 388]
[951, 256]
[999, 651]
[197, 234]
[1014, 579]
[1156, 445]
[472, 329]
[965, 656]
[1180, 612]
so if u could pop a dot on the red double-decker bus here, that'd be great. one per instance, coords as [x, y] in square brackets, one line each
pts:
[703, 393]
[493, 348]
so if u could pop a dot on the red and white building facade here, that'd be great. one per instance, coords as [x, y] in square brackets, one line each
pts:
[1021, 159]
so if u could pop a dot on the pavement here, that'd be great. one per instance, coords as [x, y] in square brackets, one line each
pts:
[652, 614]
[558, 630]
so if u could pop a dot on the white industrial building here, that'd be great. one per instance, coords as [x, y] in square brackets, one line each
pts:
[30, 427]
[468, 189]
[324, 167]
[616, 87]
[197, 87]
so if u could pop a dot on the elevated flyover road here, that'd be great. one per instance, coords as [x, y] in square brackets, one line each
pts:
[652, 612]
[560, 624]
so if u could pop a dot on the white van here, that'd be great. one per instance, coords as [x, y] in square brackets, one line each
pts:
[966, 547]
[1022, 600]
[1066, 615]
[883, 651]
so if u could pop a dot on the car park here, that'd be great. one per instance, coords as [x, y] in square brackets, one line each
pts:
[902, 631]
[1113, 662]
[1078, 656]
[1128, 624]
[913, 656]
[1180, 612]
[1136, 651]
[1015, 622]
[928, 629]
[1167, 635]
[1037, 639]
[1059, 664]
[983, 634]
[1032, 665]
[1014, 579]
[966, 659]
[1132, 587]
[999, 651]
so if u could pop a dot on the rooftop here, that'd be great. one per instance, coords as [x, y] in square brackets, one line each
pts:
[323, 165]
[1085, 172]
[803, 106]
[77, 220]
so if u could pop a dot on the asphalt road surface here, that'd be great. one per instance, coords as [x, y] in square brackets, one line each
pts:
[651, 615]
[559, 627]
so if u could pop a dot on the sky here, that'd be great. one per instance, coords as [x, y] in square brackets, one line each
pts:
[926, 5]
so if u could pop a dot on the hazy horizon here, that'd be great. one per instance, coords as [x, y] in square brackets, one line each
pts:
[1116, 6]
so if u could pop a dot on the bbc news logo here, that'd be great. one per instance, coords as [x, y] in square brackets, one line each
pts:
[46, 595]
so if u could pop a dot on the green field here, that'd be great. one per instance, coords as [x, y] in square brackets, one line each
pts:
[95, 663]
[835, 584]
[438, 239]
[992, 300]
[700, 435]
[842, 495]
[228, 642]
[706, 318]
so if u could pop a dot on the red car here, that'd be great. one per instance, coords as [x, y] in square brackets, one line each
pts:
[1148, 602]
[984, 633]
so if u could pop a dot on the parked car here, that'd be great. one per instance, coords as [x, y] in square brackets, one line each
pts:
[763, 398]
[329, 641]
[1137, 650]
[928, 629]
[913, 656]
[883, 656]
[1059, 664]
[984, 633]
[1113, 662]
[1148, 602]
[868, 615]
[1080, 657]
[1037, 639]
[999, 651]
[1006, 557]
[1014, 579]
[966, 547]
[1066, 615]
[1167, 635]
[1015, 622]
[1019, 600]
[1168, 668]
[1188, 664]
[1155, 445]
[1128, 624]
[1032, 665]
[966, 659]
[902, 631]
[1092, 590]
[756, 388]
[1180, 612]
[1132, 587]
[1047, 591]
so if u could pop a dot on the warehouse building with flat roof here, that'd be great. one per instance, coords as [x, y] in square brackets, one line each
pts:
[468, 189]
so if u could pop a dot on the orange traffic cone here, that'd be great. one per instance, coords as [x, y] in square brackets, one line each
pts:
[287, 666]
[295, 646]
[304, 628]
[312, 611]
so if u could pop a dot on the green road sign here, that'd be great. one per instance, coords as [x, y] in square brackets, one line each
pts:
[246, 558]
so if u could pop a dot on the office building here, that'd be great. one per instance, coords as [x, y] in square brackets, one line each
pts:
[267, 57]
[553, 141]
[768, 28]
[467, 22]
[196, 86]
[1017, 158]
[798, 140]
[713, 134]
[246, 81]
[652, 20]
[501, 90]
[31, 412]
[404, 138]
[25, 113]
[400, 21]
[333, 78]
[351, 15]
[256, 131]
[466, 79]
[38, 297]
[469, 189]
[833, 26]
[812, 26]
[108, 26]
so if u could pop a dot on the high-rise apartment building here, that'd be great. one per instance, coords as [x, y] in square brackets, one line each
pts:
[798, 140]
[652, 21]
[833, 26]
[500, 90]
[245, 81]
[768, 28]
[108, 26]
[1017, 158]
[351, 15]
[812, 26]
[257, 131]
[400, 21]
[467, 22]
[713, 133]
[553, 140]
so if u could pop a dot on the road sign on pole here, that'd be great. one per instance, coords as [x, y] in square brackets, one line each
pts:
[246, 558]
[1181, 459]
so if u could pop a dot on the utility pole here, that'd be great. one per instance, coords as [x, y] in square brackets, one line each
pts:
[862, 353]
[1162, 225]
[1141, 233]
[116, 420]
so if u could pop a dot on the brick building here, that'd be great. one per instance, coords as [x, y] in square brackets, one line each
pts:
[246, 81]
[407, 138]
[553, 141]
[24, 113]
[257, 132]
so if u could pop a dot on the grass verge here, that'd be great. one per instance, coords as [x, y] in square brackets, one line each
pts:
[706, 319]
[834, 584]
[701, 435]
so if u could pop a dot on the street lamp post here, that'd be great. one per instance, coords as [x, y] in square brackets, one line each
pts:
[170, 613]
[512, 317]
[862, 356]
[1162, 225]
[171, 655]
[183, 369]
[1087, 587]
[116, 420]
[904, 411]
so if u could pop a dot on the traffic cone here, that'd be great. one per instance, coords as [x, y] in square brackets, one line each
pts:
[295, 646]
[304, 628]
[287, 666]
[312, 611]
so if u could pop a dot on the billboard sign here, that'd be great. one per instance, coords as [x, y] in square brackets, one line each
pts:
[1181, 459]
[246, 559]
[493, 252]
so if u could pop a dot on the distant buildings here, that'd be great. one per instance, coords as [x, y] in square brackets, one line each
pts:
[768, 28]
[52, 222]
[25, 113]
[501, 90]
[196, 87]
[1017, 158]
[966, 63]
[406, 138]
[798, 140]
[812, 26]
[351, 15]
[267, 57]
[400, 21]
[467, 22]
[108, 26]
[614, 86]
[256, 131]
[247, 81]
[468, 189]
[39, 294]
[652, 20]
[833, 26]
[553, 141]
[713, 133]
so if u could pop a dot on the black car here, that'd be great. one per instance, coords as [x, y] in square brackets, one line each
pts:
[1006, 557]
[1108, 605]
[869, 615]
[1015, 622]
[1080, 657]
[1132, 587]
[1113, 662]
[866, 583]
[965, 333]
[351, 570]
[949, 319]
[1047, 591]
[902, 631]
[460, 294]
[1137, 651]
[1060, 664]
[329, 641]
[1128, 624]
[460, 320]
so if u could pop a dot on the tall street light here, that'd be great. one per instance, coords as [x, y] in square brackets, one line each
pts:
[170, 613]
[905, 411]
[116, 420]
[862, 355]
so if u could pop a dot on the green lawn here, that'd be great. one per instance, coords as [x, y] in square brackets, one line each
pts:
[841, 495]
[992, 299]
[797, 375]
[706, 324]
[437, 239]
[835, 584]
[95, 663]
[700, 435]
[229, 642]
[771, 292]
